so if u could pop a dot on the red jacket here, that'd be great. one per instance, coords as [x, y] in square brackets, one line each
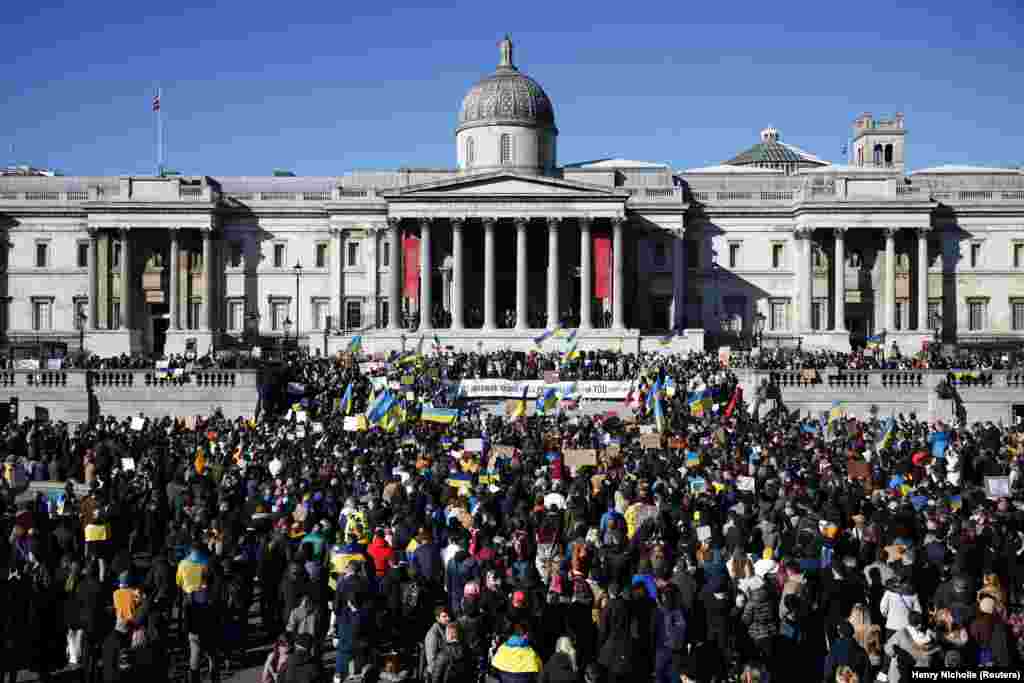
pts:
[381, 553]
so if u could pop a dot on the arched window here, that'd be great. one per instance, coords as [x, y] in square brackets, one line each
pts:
[506, 148]
[888, 155]
[470, 152]
[878, 155]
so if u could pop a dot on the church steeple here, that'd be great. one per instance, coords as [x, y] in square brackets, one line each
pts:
[506, 53]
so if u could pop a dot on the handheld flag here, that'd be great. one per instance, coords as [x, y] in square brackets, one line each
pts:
[356, 345]
[346, 400]
[737, 395]
[445, 416]
[652, 394]
[547, 400]
[876, 342]
[545, 335]
[380, 407]
[888, 432]
[700, 401]
[667, 339]
[835, 413]
[520, 407]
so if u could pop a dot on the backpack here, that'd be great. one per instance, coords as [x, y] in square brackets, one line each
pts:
[411, 598]
[674, 624]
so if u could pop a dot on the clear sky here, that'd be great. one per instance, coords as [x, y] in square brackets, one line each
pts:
[325, 87]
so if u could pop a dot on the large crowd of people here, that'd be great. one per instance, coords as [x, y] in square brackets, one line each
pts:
[368, 515]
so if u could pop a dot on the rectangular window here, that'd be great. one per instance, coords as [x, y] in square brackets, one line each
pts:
[193, 313]
[353, 253]
[1017, 315]
[692, 254]
[1018, 255]
[819, 258]
[901, 314]
[383, 313]
[81, 311]
[235, 255]
[278, 314]
[977, 314]
[4, 314]
[734, 256]
[4, 249]
[321, 255]
[195, 261]
[115, 315]
[42, 315]
[385, 257]
[320, 308]
[279, 256]
[115, 255]
[777, 254]
[236, 315]
[42, 254]
[975, 255]
[778, 316]
[353, 315]
[934, 314]
[817, 315]
[83, 255]
[659, 255]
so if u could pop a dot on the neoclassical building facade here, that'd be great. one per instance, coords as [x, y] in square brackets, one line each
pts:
[775, 241]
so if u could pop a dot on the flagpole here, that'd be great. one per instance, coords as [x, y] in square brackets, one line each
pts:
[159, 133]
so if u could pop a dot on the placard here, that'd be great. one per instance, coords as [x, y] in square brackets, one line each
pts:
[809, 374]
[725, 355]
[646, 429]
[746, 484]
[502, 451]
[317, 427]
[128, 464]
[300, 417]
[473, 445]
[698, 485]
[54, 363]
[351, 423]
[499, 388]
[703, 533]
[551, 377]
[650, 440]
[138, 423]
[997, 487]
[579, 457]
[26, 364]
[42, 414]
[408, 380]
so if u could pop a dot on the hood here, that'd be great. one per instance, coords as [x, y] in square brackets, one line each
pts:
[379, 543]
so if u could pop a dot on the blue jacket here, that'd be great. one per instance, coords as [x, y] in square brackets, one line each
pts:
[426, 560]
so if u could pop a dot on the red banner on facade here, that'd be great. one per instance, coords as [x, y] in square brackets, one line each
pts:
[411, 263]
[602, 266]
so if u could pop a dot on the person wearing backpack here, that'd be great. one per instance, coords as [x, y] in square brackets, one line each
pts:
[669, 636]
[760, 617]
[202, 626]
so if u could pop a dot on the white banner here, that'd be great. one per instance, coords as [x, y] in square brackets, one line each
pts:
[499, 388]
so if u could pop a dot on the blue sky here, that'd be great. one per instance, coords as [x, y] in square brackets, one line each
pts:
[325, 87]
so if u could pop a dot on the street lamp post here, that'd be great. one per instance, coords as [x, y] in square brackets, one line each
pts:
[759, 321]
[81, 332]
[298, 272]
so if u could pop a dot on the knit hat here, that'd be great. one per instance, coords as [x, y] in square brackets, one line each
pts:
[518, 599]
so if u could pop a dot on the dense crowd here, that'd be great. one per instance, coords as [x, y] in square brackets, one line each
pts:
[369, 512]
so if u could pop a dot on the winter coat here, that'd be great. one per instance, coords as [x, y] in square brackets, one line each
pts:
[616, 653]
[381, 553]
[759, 615]
[923, 657]
[432, 645]
[517, 662]
[426, 560]
[453, 665]
[847, 652]
[559, 669]
[897, 604]
[302, 667]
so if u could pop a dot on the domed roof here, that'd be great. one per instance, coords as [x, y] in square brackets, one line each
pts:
[772, 150]
[506, 96]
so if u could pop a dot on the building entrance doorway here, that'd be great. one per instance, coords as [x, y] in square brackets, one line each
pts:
[160, 319]
[1018, 413]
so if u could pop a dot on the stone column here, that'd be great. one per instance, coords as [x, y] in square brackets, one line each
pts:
[206, 319]
[458, 267]
[586, 275]
[426, 279]
[553, 305]
[678, 281]
[804, 274]
[522, 274]
[125, 292]
[395, 289]
[490, 279]
[839, 260]
[337, 278]
[94, 304]
[922, 279]
[890, 278]
[618, 274]
[173, 294]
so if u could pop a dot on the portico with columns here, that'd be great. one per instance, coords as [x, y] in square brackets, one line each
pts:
[864, 279]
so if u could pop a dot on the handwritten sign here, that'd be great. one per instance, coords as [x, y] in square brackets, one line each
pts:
[650, 440]
[579, 457]
[138, 423]
[551, 376]
[997, 487]
[809, 374]
[503, 451]
[746, 484]
[703, 533]
[473, 445]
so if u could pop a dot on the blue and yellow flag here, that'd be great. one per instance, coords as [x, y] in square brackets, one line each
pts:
[700, 402]
[380, 407]
[445, 416]
[667, 339]
[668, 385]
[875, 342]
[346, 400]
[545, 335]
[652, 394]
[888, 432]
[835, 412]
[659, 415]
[520, 407]
[547, 400]
[356, 345]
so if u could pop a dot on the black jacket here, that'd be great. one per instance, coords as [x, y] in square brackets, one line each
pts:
[559, 670]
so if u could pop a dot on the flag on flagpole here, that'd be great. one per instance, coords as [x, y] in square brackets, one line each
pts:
[346, 400]
[667, 339]
[444, 416]
[520, 407]
[737, 394]
[547, 400]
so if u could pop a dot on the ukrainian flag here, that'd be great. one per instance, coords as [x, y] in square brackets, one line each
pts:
[700, 401]
[652, 394]
[835, 412]
[545, 335]
[547, 400]
[571, 352]
[381, 407]
[356, 345]
[346, 400]
[463, 482]
[669, 386]
[659, 415]
[888, 432]
[955, 503]
[876, 341]
[445, 416]
[520, 409]
[667, 339]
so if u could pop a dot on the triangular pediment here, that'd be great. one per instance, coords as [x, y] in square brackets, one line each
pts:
[503, 184]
